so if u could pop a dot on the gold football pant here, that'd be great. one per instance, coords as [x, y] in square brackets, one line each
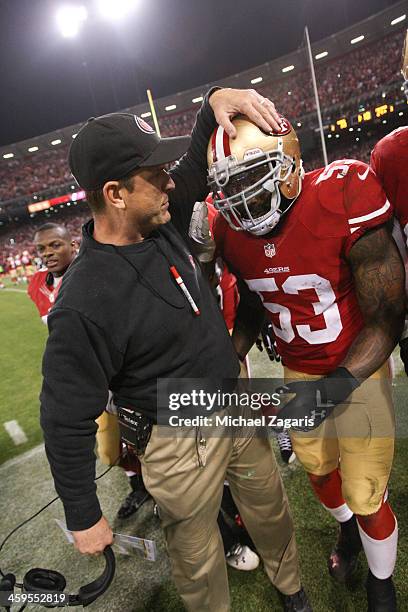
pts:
[108, 438]
[358, 438]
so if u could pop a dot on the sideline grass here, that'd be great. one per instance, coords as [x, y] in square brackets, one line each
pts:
[22, 338]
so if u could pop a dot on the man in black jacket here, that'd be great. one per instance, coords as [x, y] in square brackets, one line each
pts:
[121, 322]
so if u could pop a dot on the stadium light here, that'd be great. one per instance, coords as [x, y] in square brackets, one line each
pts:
[353, 41]
[171, 107]
[398, 19]
[74, 135]
[144, 115]
[288, 68]
[321, 55]
[32, 149]
[256, 80]
[70, 19]
[8, 155]
[56, 142]
[115, 10]
[196, 100]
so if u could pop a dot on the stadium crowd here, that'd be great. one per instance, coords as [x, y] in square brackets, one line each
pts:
[340, 82]
[31, 174]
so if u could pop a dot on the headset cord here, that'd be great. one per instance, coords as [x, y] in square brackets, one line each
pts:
[19, 584]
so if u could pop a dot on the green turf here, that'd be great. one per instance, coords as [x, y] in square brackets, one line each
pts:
[22, 337]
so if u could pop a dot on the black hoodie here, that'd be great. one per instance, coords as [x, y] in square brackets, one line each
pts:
[119, 323]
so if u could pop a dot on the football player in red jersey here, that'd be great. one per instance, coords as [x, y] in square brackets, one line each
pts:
[389, 160]
[56, 248]
[317, 251]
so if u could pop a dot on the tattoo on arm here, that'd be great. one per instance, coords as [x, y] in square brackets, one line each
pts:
[379, 279]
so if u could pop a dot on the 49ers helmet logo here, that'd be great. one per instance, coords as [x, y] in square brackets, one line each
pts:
[285, 128]
[142, 125]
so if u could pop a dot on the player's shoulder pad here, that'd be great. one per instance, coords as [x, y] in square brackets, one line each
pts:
[346, 192]
[391, 148]
[322, 202]
[365, 201]
[38, 277]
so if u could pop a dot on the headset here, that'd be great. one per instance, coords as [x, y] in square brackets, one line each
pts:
[44, 581]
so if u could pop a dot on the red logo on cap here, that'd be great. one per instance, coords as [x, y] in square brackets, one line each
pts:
[142, 125]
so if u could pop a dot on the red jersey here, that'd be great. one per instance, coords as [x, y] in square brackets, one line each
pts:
[389, 160]
[300, 270]
[43, 295]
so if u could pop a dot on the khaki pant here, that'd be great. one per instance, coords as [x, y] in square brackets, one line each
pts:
[359, 439]
[189, 497]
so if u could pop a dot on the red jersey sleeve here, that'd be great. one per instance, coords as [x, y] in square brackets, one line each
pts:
[389, 160]
[365, 204]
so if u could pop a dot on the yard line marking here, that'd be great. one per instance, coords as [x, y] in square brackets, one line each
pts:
[15, 432]
[6, 289]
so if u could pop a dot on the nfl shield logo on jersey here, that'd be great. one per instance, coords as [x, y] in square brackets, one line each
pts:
[270, 250]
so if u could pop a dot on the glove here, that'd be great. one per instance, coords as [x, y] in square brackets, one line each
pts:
[316, 399]
[199, 232]
[404, 353]
[267, 340]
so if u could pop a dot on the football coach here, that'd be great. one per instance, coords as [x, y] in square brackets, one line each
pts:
[121, 322]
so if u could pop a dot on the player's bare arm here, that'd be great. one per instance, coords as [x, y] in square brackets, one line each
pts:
[379, 278]
[248, 322]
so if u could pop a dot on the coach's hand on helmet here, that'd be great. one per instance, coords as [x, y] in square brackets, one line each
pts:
[227, 103]
[94, 540]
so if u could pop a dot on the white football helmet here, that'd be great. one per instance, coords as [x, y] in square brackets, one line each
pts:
[249, 174]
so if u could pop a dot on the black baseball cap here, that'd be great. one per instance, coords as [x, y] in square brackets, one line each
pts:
[110, 147]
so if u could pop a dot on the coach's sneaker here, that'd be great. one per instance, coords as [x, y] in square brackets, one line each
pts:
[242, 558]
[380, 594]
[136, 498]
[285, 447]
[344, 556]
[297, 602]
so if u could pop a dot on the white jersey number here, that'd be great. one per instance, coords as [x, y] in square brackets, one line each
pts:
[325, 306]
